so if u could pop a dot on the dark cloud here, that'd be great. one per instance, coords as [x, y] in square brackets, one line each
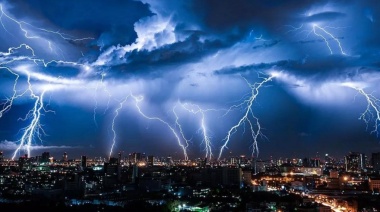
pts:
[266, 44]
[250, 68]
[153, 62]
[110, 22]
[181, 52]
[194, 51]
[242, 14]
[321, 68]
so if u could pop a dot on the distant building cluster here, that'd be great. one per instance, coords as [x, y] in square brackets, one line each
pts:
[315, 183]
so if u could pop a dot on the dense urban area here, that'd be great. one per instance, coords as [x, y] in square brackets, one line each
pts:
[138, 182]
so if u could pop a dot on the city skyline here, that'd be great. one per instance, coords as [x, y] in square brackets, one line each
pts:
[189, 79]
[125, 156]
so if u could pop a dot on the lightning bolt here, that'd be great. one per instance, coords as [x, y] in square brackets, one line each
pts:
[27, 35]
[372, 111]
[34, 129]
[113, 124]
[96, 101]
[178, 125]
[195, 109]
[323, 29]
[321, 32]
[7, 105]
[293, 28]
[178, 138]
[105, 89]
[255, 88]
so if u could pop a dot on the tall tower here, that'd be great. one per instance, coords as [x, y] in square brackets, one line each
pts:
[119, 157]
[45, 157]
[376, 161]
[135, 173]
[84, 161]
[64, 157]
[354, 161]
[150, 160]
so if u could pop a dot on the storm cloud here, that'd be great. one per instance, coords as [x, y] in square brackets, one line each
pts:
[88, 56]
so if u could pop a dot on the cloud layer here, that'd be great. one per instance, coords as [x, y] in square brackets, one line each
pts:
[200, 52]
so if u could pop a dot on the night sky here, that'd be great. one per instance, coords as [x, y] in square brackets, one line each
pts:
[161, 76]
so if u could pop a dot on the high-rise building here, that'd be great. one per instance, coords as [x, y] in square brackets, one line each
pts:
[22, 161]
[376, 161]
[222, 176]
[311, 162]
[84, 161]
[73, 185]
[354, 162]
[150, 160]
[38, 159]
[119, 157]
[135, 157]
[135, 173]
[1, 156]
[114, 161]
[315, 162]
[130, 158]
[45, 157]
[260, 166]
[169, 161]
[64, 157]
[112, 171]
[233, 161]
[328, 159]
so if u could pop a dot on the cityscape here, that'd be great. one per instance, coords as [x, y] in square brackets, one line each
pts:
[146, 182]
[196, 105]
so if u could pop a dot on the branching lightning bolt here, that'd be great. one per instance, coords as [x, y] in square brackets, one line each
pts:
[26, 33]
[7, 105]
[179, 126]
[321, 32]
[105, 89]
[178, 138]
[195, 109]
[315, 26]
[113, 124]
[98, 84]
[246, 117]
[34, 129]
[372, 111]
[96, 101]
